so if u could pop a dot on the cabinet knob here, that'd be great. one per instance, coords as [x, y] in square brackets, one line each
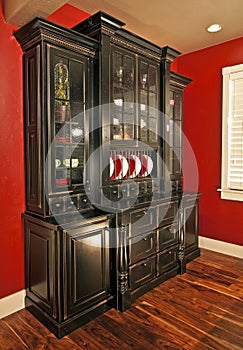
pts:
[144, 265]
[145, 238]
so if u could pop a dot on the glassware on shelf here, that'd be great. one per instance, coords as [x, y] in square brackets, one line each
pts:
[77, 134]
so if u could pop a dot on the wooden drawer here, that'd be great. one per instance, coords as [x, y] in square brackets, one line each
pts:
[141, 273]
[142, 246]
[143, 220]
[167, 259]
[167, 236]
[167, 213]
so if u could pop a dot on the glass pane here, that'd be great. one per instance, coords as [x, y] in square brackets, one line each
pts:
[153, 130]
[128, 65]
[152, 78]
[172, 103]
[177, 161]
[128, 126]
[76, 165]
[177, 106]
[129, 98]
[144, 129]
[143, 75]
[177, 133]
[143, 102]
[152, 102]
[77, 88]
[62, 172]
[118, 69]
[62, 90]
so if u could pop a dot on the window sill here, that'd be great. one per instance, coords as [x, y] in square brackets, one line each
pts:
[231, 194]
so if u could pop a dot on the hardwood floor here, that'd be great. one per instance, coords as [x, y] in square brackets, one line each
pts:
[202, 309]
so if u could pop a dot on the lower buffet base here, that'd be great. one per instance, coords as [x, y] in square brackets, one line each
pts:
[79, 319]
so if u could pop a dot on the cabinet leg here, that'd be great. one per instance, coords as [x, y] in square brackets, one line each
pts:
[182, 261]
[123, 292]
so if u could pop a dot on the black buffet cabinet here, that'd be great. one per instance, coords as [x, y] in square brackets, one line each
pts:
[106, 216]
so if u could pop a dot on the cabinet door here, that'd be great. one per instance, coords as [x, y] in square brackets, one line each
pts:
[191, 227]
[40, 271]
[88, 266]
[175, 129]
[123, 93]
[142, 246]
[148, 101]
[69, 98]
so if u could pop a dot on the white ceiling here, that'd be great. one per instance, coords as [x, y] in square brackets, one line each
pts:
[177, 23]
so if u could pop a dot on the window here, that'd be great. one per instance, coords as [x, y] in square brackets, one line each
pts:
[232, 134]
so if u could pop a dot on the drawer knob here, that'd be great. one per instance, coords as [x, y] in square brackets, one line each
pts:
[145, 238]
[170, 252]
[144, 264]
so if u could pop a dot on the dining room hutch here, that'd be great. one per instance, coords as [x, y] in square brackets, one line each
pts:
[106, 216]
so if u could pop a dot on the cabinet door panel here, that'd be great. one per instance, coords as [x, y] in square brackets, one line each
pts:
[40, 266]
[168, 235]
[191, 227]
[142, 273]
[140, 247]
[167, 213]
[167, 259]
[143, 220]
[88, 269]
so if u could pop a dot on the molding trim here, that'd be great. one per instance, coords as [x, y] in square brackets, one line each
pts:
[12, 303]
[221, 247]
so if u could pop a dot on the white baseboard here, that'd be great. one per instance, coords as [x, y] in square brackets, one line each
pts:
[221, 247]
[12, 303]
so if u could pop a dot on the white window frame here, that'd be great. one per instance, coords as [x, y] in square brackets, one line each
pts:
[226, 192]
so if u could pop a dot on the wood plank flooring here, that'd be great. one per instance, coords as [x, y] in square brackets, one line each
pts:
[202, 309]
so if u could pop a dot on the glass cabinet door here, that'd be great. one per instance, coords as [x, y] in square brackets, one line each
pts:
[68, 96]
[148, 102]
[175, 131]
[123, 95]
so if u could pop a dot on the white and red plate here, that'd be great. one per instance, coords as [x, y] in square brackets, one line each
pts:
[135, 165]
[121, 166]
[147, 165]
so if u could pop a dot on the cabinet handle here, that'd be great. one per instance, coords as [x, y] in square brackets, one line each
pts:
[145, 238]
[170, 252]
[144, 265]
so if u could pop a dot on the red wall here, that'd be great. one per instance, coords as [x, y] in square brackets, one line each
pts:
[219, 219]
[12, 201]
[12, 173]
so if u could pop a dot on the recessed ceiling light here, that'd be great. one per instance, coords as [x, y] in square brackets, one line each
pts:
[213, 28]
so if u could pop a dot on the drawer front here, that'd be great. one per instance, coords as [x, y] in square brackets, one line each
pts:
[167, 213]
[167, 259]
[141, 273]
[140, 247]
[167, 236]
[142, 221]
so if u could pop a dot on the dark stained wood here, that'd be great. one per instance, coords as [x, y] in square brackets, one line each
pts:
[201, 309]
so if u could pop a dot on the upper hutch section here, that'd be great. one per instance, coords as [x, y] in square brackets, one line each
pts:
[138, 104]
